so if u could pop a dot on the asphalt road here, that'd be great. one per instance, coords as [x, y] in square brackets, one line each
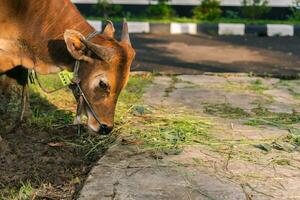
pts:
[195, 54]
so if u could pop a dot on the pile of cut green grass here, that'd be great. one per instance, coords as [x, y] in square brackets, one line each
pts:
[168, 132]
[155, 128]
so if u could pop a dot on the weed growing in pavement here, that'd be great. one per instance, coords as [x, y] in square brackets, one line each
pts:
[291, 87]
[225, 110]
[293, 139]
[263, 116]
[260, 116]
[257, 86]
[171, 88]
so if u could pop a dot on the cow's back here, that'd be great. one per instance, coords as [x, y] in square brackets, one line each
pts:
[37, 18]
[39, 24]
[10, 9]
[10, 12]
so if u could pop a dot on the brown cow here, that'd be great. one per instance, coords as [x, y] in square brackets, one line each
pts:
[49, 35]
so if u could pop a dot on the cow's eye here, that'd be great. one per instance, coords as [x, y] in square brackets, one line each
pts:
[103, 85]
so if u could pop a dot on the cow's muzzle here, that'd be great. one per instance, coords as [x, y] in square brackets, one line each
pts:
[104, 129]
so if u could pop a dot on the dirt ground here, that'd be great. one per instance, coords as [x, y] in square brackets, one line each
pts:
[53, 164]
[194, 54]
[30, 157]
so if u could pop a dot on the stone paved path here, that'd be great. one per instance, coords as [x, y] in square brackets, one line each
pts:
[246, 162]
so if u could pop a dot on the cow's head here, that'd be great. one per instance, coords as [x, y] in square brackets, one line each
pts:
[104, 71]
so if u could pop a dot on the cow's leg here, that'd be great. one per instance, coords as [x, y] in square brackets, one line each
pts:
[12, 55]
[13, 98]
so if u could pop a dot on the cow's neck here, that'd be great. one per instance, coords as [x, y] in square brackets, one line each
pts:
[47, 24]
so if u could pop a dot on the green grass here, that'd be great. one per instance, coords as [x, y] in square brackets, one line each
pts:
[135, 89]
[192, 20]
[49, 111]
[256, 22]
[25, 192]
[145, 19]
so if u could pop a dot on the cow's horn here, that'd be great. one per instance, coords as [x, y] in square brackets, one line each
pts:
[109, 29]
[125, 34]
[103, 52]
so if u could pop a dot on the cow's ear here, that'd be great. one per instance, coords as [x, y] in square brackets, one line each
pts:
[109, 29]
[75, 44]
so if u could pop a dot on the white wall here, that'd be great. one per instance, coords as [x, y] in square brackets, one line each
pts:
[274, 3]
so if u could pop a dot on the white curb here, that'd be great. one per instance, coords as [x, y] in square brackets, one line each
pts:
[231, 29]
[96, 24]
[192, 28]
[183, 28]
[280, 30]
[139, 27]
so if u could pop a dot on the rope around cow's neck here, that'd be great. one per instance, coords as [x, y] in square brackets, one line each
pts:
[81, 94]
[45, 90]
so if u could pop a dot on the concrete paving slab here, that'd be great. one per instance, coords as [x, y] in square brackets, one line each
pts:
[139, 176]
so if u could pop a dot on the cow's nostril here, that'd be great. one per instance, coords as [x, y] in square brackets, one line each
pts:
[104, 129]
